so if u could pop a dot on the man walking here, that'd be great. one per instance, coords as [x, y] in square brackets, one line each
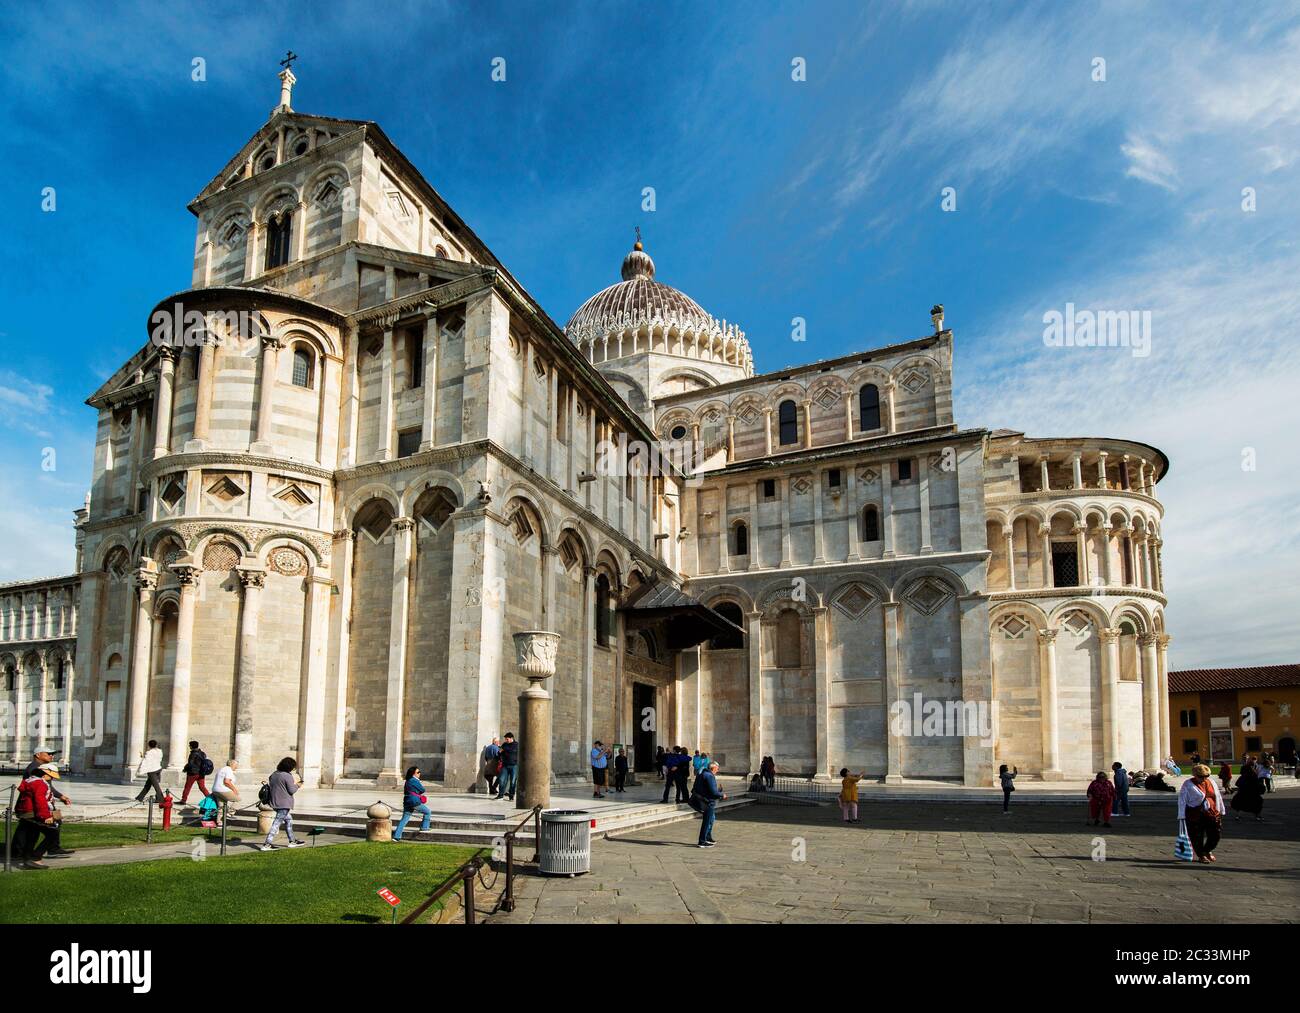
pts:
[599, 765]
[492, 765]
[509, 767]
[707, 791]
[620, 770]
[1121, 789]
[197, 767]
[150, 764]
[40, 758]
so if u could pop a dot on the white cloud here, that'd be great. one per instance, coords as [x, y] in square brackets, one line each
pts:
[1148, 163]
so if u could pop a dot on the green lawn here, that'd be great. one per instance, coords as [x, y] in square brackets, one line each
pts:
[115, 835]
[328, 884]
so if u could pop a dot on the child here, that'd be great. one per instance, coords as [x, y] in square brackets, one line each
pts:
[1101, 795]
[1008, 779]
[849, 795]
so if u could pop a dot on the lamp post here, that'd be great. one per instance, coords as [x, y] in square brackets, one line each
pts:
[535, 659]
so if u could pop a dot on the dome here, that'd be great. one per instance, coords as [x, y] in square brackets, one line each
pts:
[635, 301]
[640, 305]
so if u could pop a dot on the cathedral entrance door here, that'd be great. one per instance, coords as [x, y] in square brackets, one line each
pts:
[645, 720]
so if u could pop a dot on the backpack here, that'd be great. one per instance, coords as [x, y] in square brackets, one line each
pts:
[264, 793]
[205, 765]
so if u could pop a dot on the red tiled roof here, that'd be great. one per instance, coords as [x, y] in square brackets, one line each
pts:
[1197, 680]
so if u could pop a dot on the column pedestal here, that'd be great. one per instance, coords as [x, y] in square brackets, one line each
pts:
[535, 659]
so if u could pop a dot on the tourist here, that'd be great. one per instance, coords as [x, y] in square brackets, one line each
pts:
[414, 800]
[1121, 789]
[1265, 769]
[659, 761]
[599, 765]
[150, 764]
[768, 769]
[509, 767]
[40, 758]
[283, 784]
[682, 781]
[37, 832]
[700, 762]
[224, 789]
[620, 769]
[1156, 782]
[1225, 777]
[1249, 796]
[492, 765]
[849, 794]
[1196, 757]
[709, 794]
[1008, 779]
[197, 767]
[1171, 768]
[1101, 795]
[1200, 808]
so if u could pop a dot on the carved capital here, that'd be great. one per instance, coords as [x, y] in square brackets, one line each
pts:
[255, 578]
[186, 573]
[1162, 641]
[1047, 636]
[1108, 635]
[1147, 639]
[404, 523]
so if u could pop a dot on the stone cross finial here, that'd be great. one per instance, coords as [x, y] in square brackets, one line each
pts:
[287, 79]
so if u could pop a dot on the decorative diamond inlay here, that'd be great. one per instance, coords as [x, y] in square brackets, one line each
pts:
[868, 475]
[225, 489]
[828, 399]
[854, 601]
[747, 414]
[928, 595]
[802, 485]
[1078, 624]
[1013, 627]
[914, 381]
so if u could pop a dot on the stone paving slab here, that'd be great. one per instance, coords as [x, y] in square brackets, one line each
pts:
[945, 862]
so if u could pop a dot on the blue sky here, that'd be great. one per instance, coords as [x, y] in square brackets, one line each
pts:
[775, 199]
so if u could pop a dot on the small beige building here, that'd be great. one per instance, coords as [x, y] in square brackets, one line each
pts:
[356, 456]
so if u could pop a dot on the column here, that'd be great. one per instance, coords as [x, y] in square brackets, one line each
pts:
[755, 561]
[42, 693]
[755, 639]
[1151, 756]
[162, 405]
[552, 406]
[1159, 571]
[265, 393]
[893, 690]
[403, 529]
[1101, 470]
[818, 554]
[1050, 705]
[807, 424]
[855, 512]
[351, 396]
[785, 519]
[822, 676]
[311, 734]
[1042, 474]
[767, 431]
[21, 755]
[723, 532]
[923, 468]
[1162, 654]
[1110, 691]
[69, 684]
[1009, 534]
[332, 760]
[848, 415]
[891, 387]
[146, 581]
[589, 653]
[386, 398]
[252, 578]
[203, 402]
[1103, 532]
[571, 442]
[179, 732]
[299, 227]
[135, 452]
[731, 438]
[1081, 549]
[886, 511]
[429, 422]
[1076, 460]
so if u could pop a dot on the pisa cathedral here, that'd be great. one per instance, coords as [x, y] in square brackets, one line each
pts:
[356, 457]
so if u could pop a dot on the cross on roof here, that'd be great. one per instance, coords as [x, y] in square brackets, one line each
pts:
[289, 57]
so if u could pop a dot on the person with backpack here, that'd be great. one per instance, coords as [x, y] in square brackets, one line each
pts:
[1121, 789]
[414, 800]
[492, 765]
[278, 794]
[705, 797]
[509, 767]
[197, 767]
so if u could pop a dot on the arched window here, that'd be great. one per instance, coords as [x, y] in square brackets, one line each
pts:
[740, 539]
[788, 416]
[732, 640]
[279, 228]
[870, 524]
[601, 619]
[869, 407]
[10, 678]
[789, 639]
[303, 361]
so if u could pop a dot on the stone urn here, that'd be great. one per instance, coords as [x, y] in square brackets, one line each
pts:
[379, 822]
[265, 817]
[535, 653]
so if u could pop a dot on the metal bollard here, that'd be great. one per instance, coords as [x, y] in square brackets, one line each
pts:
[9, 829]
[224, 818]
[148, 830]
[508, 900]
[470, 876]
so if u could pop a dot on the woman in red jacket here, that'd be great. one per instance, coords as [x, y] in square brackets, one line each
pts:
[38, 826]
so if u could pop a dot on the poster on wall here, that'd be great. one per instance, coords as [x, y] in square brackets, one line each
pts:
[1221, 744]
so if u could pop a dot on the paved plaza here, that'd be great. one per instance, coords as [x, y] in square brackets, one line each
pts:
[929, 862]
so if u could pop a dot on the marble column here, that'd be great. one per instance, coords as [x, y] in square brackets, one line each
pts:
[1076, 462]
[1103, 535]
[807, 425]
[854, 516]
[886, 511]
[265, 396]
[893, 692]
[731, 438]
[1009, 534]
[767, 431]
[923, 468]
[1162, 654]
[724, 532]
[311, 734]
[403, 531]
[787, 489]
[755, 642]
[162, 406]
[1110, 692]
[252, 578]
[69, 684]
[1081, 550]
[203, 394]
[179, 732]
[1045, 484]
[821, 674]
[146, 581]
[386, 397]
[1050, 705]
[1150, 702]
[848, 415]
[535, 660]
[818, 552]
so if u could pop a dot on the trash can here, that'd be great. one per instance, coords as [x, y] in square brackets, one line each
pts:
[565, 847]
